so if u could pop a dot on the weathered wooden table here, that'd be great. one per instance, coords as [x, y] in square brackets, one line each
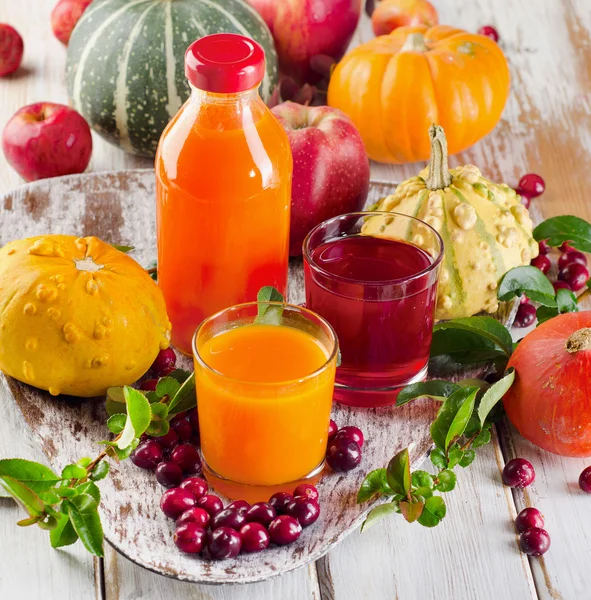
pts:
[473, 554]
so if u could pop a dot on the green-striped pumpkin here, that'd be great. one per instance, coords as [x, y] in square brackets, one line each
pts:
[125, 66]
[485, 230]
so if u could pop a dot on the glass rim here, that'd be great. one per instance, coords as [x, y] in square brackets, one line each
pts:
[301, 309]
[371, 213]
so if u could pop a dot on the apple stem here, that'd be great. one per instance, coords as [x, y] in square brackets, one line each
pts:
[415, 42]
[439, 176]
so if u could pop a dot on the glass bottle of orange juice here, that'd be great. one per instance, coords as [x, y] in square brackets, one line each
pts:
[223, 185]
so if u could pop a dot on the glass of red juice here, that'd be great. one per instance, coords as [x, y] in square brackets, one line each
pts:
[379, 293]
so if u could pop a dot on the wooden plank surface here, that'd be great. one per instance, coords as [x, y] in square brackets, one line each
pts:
[546, 128]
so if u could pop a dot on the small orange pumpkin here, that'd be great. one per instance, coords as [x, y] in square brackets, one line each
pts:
[391, 14]
[395, 86]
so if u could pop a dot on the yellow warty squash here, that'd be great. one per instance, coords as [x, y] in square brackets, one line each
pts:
[485, 229]
[77, 316]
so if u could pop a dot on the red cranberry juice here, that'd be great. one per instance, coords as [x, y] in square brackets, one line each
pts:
[383, 318]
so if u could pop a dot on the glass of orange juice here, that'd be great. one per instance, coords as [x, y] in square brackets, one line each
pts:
[264, 390]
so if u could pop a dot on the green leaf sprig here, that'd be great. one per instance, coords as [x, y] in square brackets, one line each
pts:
[269, 314]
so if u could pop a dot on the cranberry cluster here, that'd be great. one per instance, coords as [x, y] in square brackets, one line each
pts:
[164, 365]
[203, 525]
[344, 447]
[534, 539]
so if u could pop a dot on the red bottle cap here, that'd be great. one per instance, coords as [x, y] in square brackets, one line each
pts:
[225, 63]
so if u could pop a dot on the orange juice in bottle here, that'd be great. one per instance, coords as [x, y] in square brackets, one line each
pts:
[223, 181]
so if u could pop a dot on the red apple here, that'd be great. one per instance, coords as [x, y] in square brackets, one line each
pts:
[64, 17]
[11, 49]
[303, 29]
[47, 140]
[391, 14]
[330, 167]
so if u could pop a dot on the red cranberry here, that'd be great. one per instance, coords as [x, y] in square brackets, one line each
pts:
[576, 275]
[254, 537]
[560, 285]
[527, 518]
[184, 430]
[262, 513]
[194, 419]
[541, 262]
[532, 184]
[166, 359]
[332, 429]
[182, 416]
[197, 486]
[490, 32]
[518, 473]
[585, 480]
[176, 501]
[306, 511]
[241, 505]
[526, 315]
[566, 247]
[229, 517]
[573, 256]
[279, 501]
[224, 543]
[535, 541]
[149, 385]
[212, 504]
[343, 454]
[190, 538]
[524, 198]
[544, 247]
[307, 491]
[148, 455]
[284, 530]
[169, 474]
[187, 458]
[352, 433]
[194, 515]
[169, 441]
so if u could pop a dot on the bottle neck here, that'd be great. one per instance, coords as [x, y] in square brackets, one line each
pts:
[246, 97]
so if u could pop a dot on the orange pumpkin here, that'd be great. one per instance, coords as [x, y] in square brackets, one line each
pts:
[395, 86]
[391, 14]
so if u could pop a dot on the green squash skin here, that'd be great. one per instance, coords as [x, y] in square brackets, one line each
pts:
[125, 66]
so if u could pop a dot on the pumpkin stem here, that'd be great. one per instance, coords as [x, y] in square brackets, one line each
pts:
[579, 340]
[415, 42]
[439, 176]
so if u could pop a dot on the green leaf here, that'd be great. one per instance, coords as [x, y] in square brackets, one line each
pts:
[23, 494]
[100, 471]
[424, 492]
[73, 472]
[83, 512]
[485, 327]
[375, 483]
[84, 462]
[115, 403]
[460, 421]
[266, 314]
[124, 249]
[63, 534]
[494, 394]
[447, 413]
[436, 389]
[566, 228]
[421, 479]
[124, 453]
[411, 511]
[378, 513]
[139, 416]
[185, 398]
[167, 386]
[398, 473]
[48, 524]
[30, 521]
[438, 458]
[433, 512]
[566, 302]
[527, 280]
[447, 481]
[467, 459]
[482, 438]
[35, 476]
[455, 455]
[91, 489]
[158, 428]
[116, 423]
[180, 375]
[67, 492]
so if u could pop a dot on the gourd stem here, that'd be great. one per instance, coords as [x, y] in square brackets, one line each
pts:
[415, 42]
[439, 176]
[579, 340]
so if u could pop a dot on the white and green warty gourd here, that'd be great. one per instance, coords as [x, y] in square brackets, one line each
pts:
[126, 62]
[485, 229]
